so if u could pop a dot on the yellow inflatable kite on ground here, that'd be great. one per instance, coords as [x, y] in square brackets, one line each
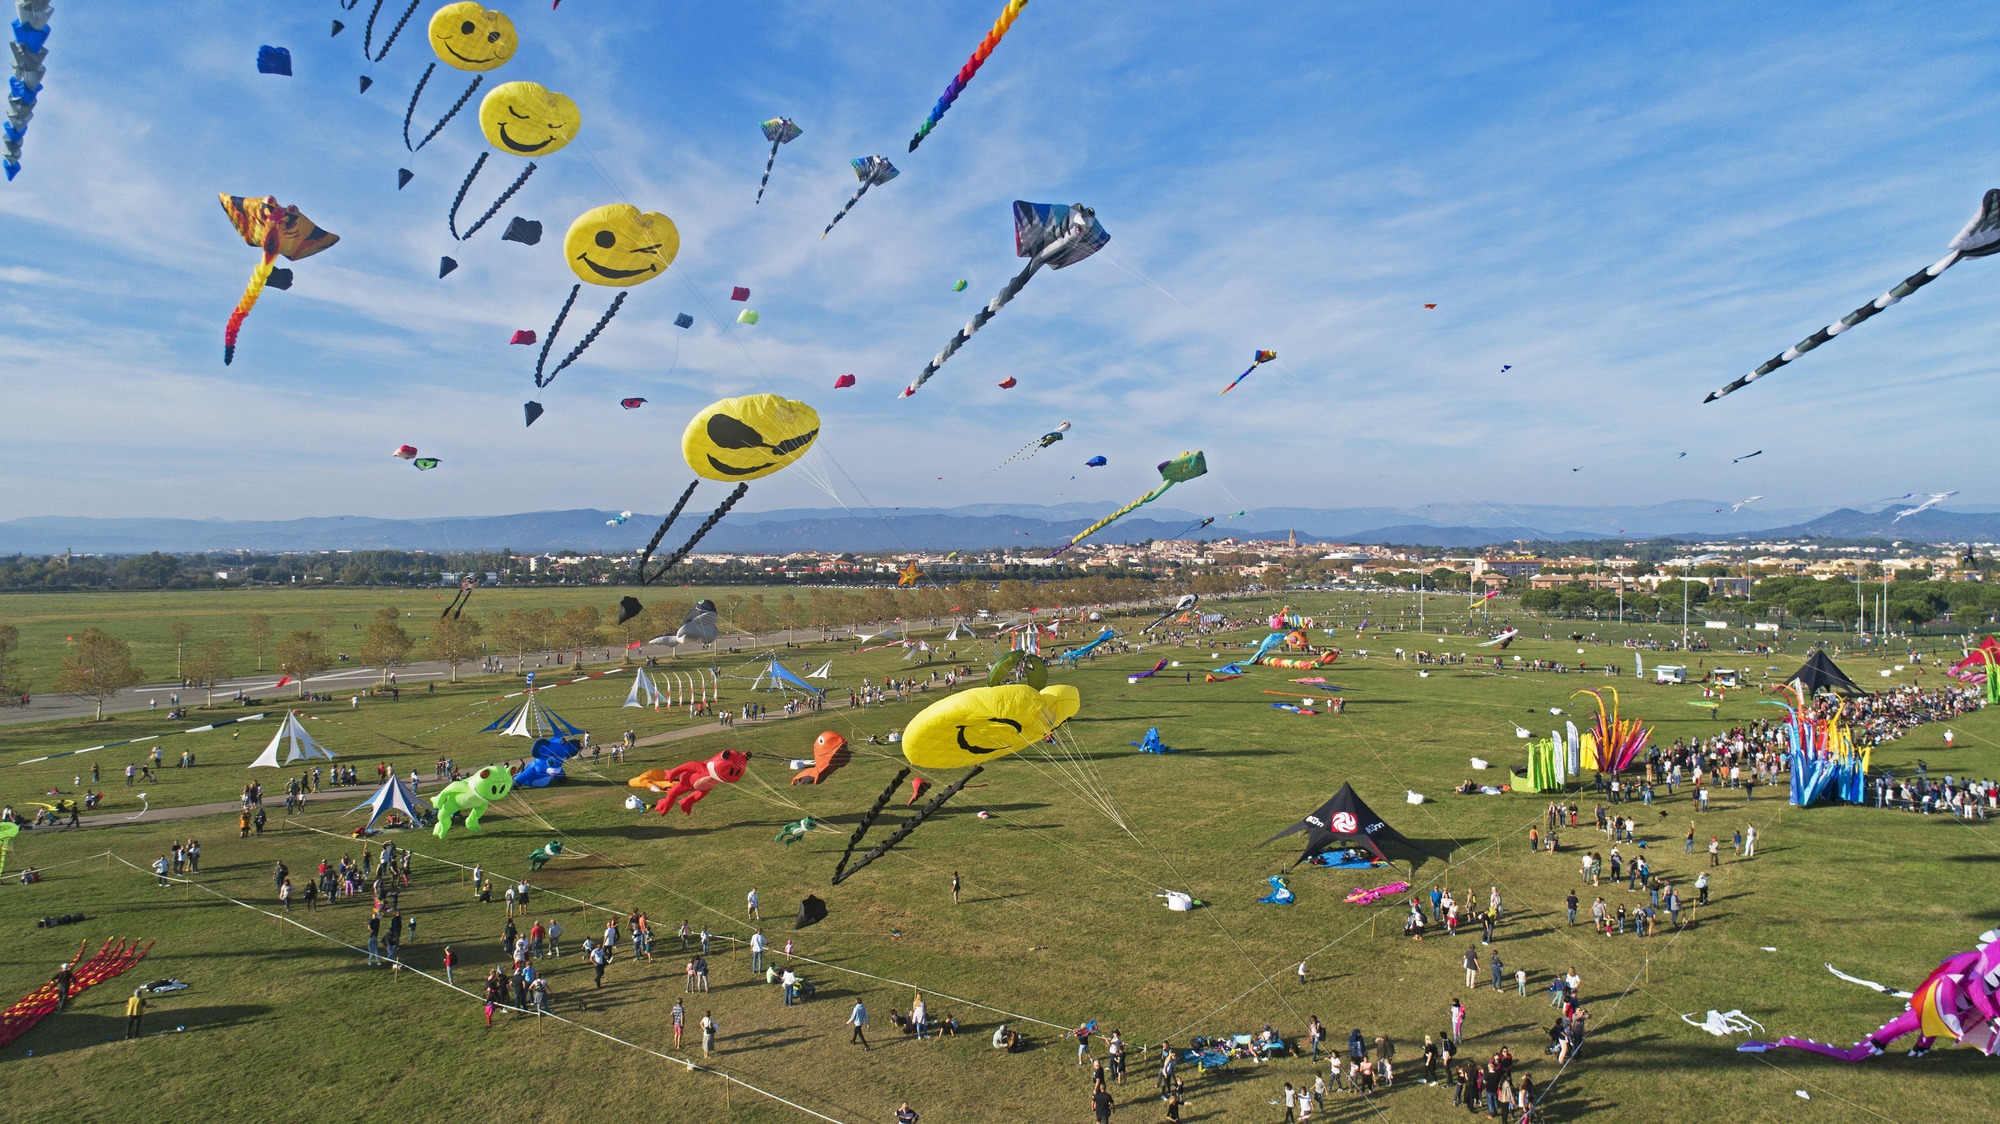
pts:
[969, 728]
[986, 723]
[275, 230]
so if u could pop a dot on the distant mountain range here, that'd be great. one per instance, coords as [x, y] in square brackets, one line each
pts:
[985, 526]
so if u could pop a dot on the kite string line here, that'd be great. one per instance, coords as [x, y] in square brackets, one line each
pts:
[689, 1065]
[728, 918]
[1119, 261]
[1561, 932]
[728, 333]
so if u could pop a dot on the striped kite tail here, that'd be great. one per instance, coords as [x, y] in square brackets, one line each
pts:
[851, 201]
[971, 67]
[978, 321]
[258, 277]
[768, 164]
[1908, 285]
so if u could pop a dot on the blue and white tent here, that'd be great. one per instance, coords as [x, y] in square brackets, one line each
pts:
[781, 678]
[393, 796]
[533, 720]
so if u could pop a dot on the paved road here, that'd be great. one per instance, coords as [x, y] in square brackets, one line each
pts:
[345, 680]
[353, 680]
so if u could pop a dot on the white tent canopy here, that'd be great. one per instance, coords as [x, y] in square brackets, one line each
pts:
[644, 692]
[393, 796]
[300, 745]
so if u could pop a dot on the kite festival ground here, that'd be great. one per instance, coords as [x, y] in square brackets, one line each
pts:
[1059, 921]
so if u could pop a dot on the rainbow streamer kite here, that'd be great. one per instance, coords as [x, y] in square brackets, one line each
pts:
[1257, 360]
[274, 230]
[970, 68]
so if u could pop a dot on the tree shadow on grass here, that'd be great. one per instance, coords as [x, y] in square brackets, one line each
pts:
[1991, 858]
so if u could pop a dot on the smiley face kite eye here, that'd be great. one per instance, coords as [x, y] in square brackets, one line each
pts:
[466, 28]
[729, 433]
[605, 239]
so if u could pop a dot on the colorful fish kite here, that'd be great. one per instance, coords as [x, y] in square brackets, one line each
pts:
[1980, 238]
[275, 230]
[631, 403]
[1046, 234]
[1035, 446]
[778, 130]
[31, 34]
[971, 67]
[1257, 359]
[1179, 470]
[870, 170]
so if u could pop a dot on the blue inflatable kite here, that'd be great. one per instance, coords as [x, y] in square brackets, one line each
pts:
[1151, 743]
[1280, 894]
[547, 767]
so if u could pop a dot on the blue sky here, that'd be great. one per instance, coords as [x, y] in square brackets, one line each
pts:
[1630, 204]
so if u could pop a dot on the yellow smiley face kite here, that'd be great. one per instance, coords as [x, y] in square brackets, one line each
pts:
[986, 723]
[617, 245]
[748, 438]
[528, 119]
[469, 36]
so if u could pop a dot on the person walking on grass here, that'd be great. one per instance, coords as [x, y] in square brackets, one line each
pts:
[1457, 1021]
[680, 1022]
[858, 1019]
[65, 978]
[1750, 842]
[750, 903]
[1714, 851]
[954, 887]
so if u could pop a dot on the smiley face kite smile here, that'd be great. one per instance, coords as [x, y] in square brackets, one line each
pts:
[528, 119]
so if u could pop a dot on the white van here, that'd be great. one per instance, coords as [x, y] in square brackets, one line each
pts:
[1669, 673]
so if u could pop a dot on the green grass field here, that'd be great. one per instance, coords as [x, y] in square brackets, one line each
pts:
[1058, 924]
